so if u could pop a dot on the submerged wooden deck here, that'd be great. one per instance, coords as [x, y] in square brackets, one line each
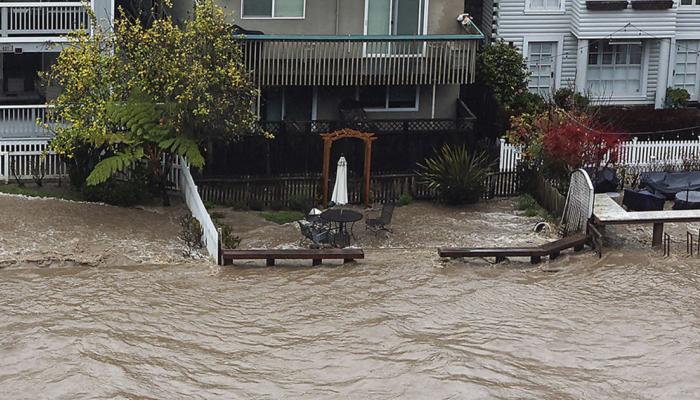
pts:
[607, 212]
[551, 249]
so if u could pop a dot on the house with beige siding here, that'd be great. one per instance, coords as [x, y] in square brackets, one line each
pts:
[399, 63]
[620, 52]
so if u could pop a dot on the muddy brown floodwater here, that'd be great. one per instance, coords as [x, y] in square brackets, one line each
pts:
[400, 324]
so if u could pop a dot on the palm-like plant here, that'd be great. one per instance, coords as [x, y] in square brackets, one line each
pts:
[457, 174]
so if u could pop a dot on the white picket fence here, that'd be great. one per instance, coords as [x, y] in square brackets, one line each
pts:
[210, 235]
[632, 153]
[23, 159]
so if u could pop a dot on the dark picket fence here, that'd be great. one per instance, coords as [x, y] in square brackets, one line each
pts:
[285, 191]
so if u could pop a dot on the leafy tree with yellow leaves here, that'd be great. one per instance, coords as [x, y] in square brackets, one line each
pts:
[149, 93]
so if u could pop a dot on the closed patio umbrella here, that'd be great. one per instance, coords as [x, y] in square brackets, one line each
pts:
[340, 190]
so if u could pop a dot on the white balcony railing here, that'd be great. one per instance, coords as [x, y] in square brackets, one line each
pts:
[42, 19]
[21, 121]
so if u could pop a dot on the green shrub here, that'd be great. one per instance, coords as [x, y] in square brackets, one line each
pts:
[283, 217]
[191, 233]
[501, 68]
[528, 102]
[677, 97]
[568, 99]
[117, 192]
[456, 174]
[228, 239]
[404, 200]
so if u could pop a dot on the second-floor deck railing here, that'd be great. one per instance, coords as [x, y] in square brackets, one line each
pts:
[277, 60]
[42, 19]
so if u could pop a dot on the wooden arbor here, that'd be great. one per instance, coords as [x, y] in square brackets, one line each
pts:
[328, 139]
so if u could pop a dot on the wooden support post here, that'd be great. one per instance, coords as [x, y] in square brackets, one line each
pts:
[270, 262]
[658, 235]
[316, 261]
[368, 162]
[553, 255]
[578, 248]
[535, 259]
[326, 168]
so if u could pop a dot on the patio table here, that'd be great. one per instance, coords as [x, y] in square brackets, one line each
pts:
[341, 218]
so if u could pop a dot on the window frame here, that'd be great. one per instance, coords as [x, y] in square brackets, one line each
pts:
[695, 4]
[643, 79]
[386, 101]
[303, 14]
[558, 54]
[424, 18]
[672, 70]
[560, 10]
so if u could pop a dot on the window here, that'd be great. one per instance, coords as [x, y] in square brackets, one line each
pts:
[615, 69]
[685, 72]
[273, 9]
[541, 59]
[545, 5]
[394, 17]
[388, 98]
[690, 3]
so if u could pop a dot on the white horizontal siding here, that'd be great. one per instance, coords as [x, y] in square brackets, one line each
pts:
[653, 48]
[487, 15]
[688, 23]
[588, 24]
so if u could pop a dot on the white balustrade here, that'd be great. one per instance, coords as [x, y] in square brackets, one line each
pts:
[48, 19]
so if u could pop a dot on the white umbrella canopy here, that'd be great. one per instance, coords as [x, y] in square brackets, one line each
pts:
[340, 190]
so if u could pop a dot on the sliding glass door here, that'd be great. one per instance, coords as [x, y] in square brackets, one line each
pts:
[394, 17]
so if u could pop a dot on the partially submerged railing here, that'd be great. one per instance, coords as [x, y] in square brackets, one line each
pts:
[352, 60]
[210, 235]
[42, 18]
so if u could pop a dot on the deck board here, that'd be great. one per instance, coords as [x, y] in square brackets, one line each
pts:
[607, 212]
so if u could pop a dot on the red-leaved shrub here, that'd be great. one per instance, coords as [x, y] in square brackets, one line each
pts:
[579, 143]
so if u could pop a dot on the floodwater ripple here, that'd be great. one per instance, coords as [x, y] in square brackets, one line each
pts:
[389, 328]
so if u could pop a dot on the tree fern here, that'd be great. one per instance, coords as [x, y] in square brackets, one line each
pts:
[184, 147]
[111, 165]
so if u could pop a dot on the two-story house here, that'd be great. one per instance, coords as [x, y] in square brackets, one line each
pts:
[620, 52]
[396, 63]
[32, 33]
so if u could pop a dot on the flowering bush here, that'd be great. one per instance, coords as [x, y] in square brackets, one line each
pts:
[528, 130]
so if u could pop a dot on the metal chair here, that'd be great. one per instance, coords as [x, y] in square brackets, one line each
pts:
[317, 234]
[382, 222]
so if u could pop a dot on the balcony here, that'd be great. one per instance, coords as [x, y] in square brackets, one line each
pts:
[35, 19]
[281, 60]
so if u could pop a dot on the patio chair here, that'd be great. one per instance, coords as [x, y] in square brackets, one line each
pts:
[382, 222]
[318, 234]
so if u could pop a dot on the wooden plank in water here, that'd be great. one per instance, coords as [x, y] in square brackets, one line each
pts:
[552, 249]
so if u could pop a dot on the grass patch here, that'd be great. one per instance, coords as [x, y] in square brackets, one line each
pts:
[39, 192]
[282, 217]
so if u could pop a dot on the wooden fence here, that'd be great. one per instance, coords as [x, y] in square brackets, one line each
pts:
[285, 191]
[547, 195]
